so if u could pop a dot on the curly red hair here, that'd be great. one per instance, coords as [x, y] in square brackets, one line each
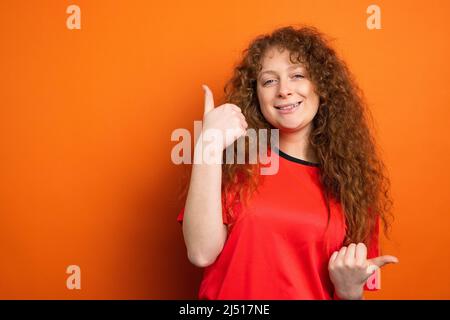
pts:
[351, 170]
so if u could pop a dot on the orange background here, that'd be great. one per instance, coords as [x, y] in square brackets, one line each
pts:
[87, 115]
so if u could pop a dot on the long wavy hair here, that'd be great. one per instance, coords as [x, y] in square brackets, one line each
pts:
[351, 170]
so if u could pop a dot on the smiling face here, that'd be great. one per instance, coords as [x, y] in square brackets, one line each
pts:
[286, 96]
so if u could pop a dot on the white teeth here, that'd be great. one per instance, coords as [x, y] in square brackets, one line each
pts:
[291, 106]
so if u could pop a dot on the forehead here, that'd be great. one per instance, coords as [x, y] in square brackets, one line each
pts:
[278, 57]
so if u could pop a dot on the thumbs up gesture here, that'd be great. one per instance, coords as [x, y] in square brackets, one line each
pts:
[227, 118]
[349, 269]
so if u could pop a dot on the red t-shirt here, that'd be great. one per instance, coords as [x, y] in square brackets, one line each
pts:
[278, 247]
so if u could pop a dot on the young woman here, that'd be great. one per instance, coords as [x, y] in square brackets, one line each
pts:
[310, 231]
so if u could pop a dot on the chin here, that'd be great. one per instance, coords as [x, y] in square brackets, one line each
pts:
[290, 127]
[288, 130]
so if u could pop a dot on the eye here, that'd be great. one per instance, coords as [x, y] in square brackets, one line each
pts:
[268, 82]
[298, 76]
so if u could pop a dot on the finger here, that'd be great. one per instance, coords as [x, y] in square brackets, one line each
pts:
[382, 260]
[241, 132]
[370, 270]
[244, 126]
[236, 108]
[333, 258]
[209, 99]
[350, 253]
[341, 254]
[360, 254]
[241, 116]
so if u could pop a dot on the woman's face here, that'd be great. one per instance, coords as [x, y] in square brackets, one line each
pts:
[287, 97]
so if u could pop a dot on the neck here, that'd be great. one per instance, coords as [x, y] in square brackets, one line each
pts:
[296, 144]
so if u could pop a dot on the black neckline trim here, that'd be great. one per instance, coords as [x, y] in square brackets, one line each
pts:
[297, 160]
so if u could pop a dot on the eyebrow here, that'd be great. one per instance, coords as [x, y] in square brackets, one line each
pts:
[294, 66]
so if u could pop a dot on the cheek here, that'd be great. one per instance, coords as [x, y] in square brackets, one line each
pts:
[264, 101]
[264, 106]
[313, 107]
[265, 112]
[262, 97]
[312, 96]
[314, 99]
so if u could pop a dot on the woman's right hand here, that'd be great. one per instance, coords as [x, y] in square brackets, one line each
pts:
[227, 118]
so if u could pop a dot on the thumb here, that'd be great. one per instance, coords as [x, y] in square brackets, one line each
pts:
[209, 100]
[379, 262]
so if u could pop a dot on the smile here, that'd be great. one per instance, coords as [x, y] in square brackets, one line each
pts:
[288, 108]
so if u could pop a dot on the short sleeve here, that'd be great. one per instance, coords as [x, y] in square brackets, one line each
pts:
[374, 281]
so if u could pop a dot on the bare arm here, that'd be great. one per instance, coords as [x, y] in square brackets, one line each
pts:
[203, 229]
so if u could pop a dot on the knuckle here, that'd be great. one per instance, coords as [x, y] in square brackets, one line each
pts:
[348, 264]
[338, 265]
[361, 245]
[222, 107]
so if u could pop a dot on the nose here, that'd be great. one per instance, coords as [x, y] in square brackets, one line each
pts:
[284, 90]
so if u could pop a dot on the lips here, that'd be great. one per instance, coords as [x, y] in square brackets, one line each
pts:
[288, 106]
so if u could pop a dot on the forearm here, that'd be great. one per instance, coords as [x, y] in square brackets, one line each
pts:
[203, 228]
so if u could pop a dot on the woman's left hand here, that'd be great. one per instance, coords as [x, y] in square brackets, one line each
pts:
[349, 269]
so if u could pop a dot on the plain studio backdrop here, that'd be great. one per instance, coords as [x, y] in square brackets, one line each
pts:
[91, 94]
